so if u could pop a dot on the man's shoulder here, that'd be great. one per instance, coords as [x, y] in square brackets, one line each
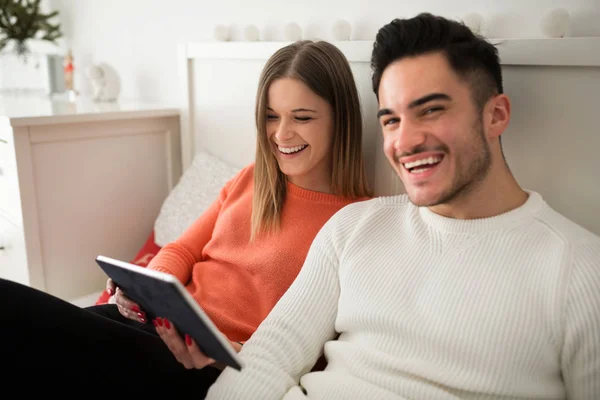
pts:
[565, 228]
[366, 209]
[582, 244]
[361, 220]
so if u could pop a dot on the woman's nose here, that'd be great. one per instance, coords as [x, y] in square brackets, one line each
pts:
[284, 131]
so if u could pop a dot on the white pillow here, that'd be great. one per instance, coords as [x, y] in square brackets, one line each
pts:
[197, 188]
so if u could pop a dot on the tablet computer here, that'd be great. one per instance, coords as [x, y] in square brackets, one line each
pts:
[162, 295]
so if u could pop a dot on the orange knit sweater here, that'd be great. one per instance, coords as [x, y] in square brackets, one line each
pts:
[235, 281]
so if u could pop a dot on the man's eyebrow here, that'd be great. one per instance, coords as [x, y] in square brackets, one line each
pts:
[428, 98]
[417, 102]
[382, 112]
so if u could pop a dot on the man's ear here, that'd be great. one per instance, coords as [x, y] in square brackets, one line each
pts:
[497, 115]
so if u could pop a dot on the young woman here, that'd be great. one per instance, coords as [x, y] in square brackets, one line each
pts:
[236, 260]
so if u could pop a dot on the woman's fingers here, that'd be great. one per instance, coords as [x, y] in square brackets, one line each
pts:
[128, 308]
[199, 359]
[170, 336]
[184, 349]
[110, 287]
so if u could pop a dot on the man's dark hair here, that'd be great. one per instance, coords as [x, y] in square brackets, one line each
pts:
[472, 57]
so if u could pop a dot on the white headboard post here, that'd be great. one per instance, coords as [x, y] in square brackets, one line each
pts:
[187, 105]
[551, 143]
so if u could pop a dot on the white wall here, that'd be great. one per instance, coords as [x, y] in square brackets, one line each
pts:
[139, 37]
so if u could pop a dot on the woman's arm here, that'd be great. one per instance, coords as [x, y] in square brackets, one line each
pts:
[178, 257]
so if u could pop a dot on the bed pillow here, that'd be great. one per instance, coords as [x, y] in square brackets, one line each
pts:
[196, 190]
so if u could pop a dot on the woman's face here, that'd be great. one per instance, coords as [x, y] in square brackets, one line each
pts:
[300, 132]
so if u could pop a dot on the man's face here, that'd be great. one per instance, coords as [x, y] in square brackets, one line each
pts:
[433, 133]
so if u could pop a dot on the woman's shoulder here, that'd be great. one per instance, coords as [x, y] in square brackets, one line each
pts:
[247, 170]
[244, 177]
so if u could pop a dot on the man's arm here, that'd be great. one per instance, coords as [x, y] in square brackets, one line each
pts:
[581, 350]
[290, 340]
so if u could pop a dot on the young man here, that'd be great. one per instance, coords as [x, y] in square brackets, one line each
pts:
[467, 287]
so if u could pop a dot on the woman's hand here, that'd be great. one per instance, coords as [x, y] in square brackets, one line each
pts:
[186, 351]
[126, 307]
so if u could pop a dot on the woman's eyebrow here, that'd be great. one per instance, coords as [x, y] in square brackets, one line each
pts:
[296, 110]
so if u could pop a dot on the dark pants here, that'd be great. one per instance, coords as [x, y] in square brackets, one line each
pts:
[55, 346]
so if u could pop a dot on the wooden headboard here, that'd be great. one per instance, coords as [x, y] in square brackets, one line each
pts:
[550, 145]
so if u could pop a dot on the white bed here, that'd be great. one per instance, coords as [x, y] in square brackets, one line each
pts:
[551, 143]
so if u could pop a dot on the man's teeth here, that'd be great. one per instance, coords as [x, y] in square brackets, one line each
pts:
[423, 161]
[290, 150]
[418, 170]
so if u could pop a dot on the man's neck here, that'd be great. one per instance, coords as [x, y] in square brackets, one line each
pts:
[498, 193]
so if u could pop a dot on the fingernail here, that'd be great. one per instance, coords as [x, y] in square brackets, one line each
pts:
[155, 323]
[143, 320]
[188, 339]
[159, 321]
[167, 324]
[141, 315]
[135, 309]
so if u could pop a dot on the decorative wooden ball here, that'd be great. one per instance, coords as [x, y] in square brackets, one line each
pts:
[292, 32]
[251, 33]
[474, 22]
[341, 30]
[222, 33]
[556, 23]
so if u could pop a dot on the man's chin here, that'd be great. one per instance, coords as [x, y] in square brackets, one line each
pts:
[424, 199]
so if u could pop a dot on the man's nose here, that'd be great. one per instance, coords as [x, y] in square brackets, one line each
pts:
[409, 136]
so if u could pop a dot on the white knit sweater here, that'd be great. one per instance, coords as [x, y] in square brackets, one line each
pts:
[428, 307]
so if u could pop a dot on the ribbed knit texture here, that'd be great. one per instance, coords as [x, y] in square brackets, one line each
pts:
[237, 282]
[428, 307]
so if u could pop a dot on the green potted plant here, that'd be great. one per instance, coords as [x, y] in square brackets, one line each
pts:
[23, 20]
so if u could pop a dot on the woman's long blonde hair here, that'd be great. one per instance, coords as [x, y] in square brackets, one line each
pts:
[325, 70]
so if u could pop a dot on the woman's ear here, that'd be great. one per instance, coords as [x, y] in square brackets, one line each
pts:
[497, 115]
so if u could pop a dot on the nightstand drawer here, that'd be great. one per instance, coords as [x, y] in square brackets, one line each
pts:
[9, 183]
[13, 257]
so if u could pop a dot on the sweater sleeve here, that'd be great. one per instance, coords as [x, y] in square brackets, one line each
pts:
[581, 348]
[179, 257]
[289, 341]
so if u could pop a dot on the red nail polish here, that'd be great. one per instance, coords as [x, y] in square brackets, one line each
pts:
[188, 339]
[167, 324]
[159, 321]
[155, 323]
[135, 309]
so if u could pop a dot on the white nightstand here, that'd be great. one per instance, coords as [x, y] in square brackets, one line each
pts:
[78, 180]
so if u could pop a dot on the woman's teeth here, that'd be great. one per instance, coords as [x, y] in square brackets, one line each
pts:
[292, 150]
